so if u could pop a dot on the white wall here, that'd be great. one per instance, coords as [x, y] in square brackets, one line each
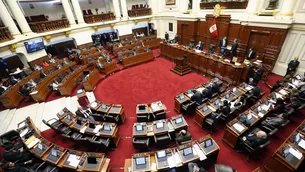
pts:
[163, 26]
[54, 11]
[102, 5]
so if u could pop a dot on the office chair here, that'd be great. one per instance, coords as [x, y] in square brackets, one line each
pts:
[211, 124]
[98, 117]
[159, 115]
[270, 130]
[44, 167]
[189, 108]
[102, 144]
[223, 168]
[54, 124]
[253, 151]
[141, 143]
[12, 137]
[83, 141]
[111, 118]
[162, 140]
[143, 117]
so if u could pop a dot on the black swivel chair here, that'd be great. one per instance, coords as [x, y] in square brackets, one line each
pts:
[102, 144]
[160, 115]
[141, 143]
[162, 140]
[143, 117]
[113, 119]
[211, 124]
[189, 108]
[54, 124]
[253, 151]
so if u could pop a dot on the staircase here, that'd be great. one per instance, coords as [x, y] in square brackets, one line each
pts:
[10, 118]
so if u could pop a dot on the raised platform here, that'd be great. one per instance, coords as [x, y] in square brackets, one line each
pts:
[181, 70]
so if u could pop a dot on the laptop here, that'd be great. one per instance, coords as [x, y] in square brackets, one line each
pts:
[178, 120]
[140, 161]
[187, 151]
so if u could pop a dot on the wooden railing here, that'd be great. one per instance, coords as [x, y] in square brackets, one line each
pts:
[5, 34]
[45, 26]
[99, 18]
[226, 5]
[139, 12]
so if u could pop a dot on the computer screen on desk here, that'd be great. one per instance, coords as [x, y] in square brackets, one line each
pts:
[178, 120]
[234, 89]
[205, 108]
[54, 152]
[227, 95]
[161, 154]
[140, 161]
[142, 107]
[104, 106]
[297, 137]
[187, 151]
[91, 160]
[208, 143]
[217, 102]
[181, 97]
[259, 109]
[139, 127]
[107, 127]
[159, 124]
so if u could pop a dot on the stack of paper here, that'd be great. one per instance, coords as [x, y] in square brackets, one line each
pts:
[73, 160]
[296, 153]
[302, 144]
[97, 128]
[171, 161]
[83, 129]
[177, 158]
[260, 114]
[153, 166]
[212, 108]
[278, 96]
[237, 64]
[31, 142]
[200, 89]
[155, 106]
[170, 126]
[265, 107]
[94, 104]
[238, 127]
[283, 92]
[200, 153]
[23, 133]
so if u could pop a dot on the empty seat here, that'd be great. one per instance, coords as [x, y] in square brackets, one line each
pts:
[160, 115]
[162, 140]
[140, 143]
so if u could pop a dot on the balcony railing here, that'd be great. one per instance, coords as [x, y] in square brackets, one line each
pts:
[226, 5]
[5, 34]
[95, 18]
[45, 26]
[139, 12]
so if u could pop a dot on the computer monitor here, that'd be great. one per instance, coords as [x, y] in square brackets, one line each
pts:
[187, 151]
[161, 154]
[286, 152]
[140, 161]
[68, 117]
[79, 122]
[178, 120]
[208, 143]
[297, 137]
[205, 108]
[227, 96]
[259, 109]
[91, 125]
[273, 96]
[181, 97]
[54, 152]
[217, 102]
[141, 107]
[266, 102]
[234, 90]
[159, 125]
[40, 146]
[139, 127]
[249, 116]
[104, 106]
[189, 91]
[91, 160]
[107, 127]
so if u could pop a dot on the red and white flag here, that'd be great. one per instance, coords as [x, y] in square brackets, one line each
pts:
[213, 28]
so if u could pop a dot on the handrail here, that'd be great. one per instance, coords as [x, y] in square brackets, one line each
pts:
[5, 34]
[139, 12]
[44, 26]
[95, 18]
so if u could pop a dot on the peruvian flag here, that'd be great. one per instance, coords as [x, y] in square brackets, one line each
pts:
[213, 28]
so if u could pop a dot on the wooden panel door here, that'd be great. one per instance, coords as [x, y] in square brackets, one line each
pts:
[258, 41]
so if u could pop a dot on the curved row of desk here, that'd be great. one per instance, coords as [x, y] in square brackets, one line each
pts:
[61, 157]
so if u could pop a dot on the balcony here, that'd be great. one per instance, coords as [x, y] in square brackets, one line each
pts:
[139, 12]
[45, 26]
[225, 5]
[95, 18]
[5, 34]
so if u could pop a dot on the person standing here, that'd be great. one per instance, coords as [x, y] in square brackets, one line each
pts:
[166, 36]
[223, 45]
[292, 65]
[234, 48]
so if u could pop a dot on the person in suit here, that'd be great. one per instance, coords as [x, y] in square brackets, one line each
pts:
[242, 118]
[42, 74]
[166, 36]
[225, 108]
[223, 44]
[275, 121]
[193, 167]
[215, 88]
[183, 136]
[2, 88]
[197, 97]
[292, 65]
[99, 65]
[251, 54]
[234, 48]
[279, 106]
[58, 66]
[240, 102]
[24, 90]
[254, 92]
[12, 155]
[207, 93]
[37, 67]
[199, 46]
[277, 85]
[17, 167]
[258, 74]
[13, 80]
[176, 39]
[255, 139]
[65, 62]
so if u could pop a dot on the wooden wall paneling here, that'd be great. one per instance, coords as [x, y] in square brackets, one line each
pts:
[187, 30]
[258, 40]
[219, 70]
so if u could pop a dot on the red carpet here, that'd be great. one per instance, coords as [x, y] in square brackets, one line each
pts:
[152, 82]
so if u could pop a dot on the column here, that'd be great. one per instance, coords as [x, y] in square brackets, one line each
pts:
[116, 8]
[196, 6]
[19, 17]
[154, 7]
[8, 20]
[287, 8]
[124, 8]
[68, 12]
[253, 6]
[78, 11]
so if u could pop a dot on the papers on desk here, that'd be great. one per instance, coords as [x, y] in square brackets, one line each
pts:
[226, 60]
[23, 133]
[283, 92]
[31, 142]
[33, 92]
[296, 153]
[212, 109]
[278, 96]
[248, 88]
[237, 64]
[302, 144]
[153, 166]
[265, 107]
[198, 51]
[170, 127]
[293, 86]
[156, 106]
[21, 125]
[93, 104]
[171, 161]
[83, 129]
[73, 160]
[199, 152]
[238, 127]
[97, 128]
[200, 89]
[190, 94]
[271, 101]
[149, 128]
[177, 158]
[260, 114]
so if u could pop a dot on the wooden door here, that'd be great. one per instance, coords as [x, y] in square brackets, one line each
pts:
[258, 41]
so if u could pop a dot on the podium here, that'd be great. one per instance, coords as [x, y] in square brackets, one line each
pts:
[182, 67]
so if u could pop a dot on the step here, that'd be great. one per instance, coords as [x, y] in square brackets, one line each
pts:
[6, 122]
[38, 120]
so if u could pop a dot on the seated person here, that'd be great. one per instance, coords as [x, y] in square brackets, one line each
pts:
[215, 88]
[108, 59]
[278, 107]
[44, 64]
[243, 118]
[58, 66]
[256, 138]
[13, 80]
[207, 93]
[31, 84]
[37, 67]
[42, 74]
[16, 167]
[54, 86]
[183, 136]
[24, 90]
[199, 46]
[255, 92]
[225, 108]
[65, 62]
[2, 88]
[12, 155]
[193, 167]
[294, 103]
[275, 121]
[240, 102]
[197, 97]
[85, 114]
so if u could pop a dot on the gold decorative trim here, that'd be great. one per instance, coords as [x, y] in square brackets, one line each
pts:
[217, 10]
[47, 38]
[112, 25]
[286, 14]
[95, 28]
[13, 48]
[149, 19]
[136, 21]
[298, 29]
[67, 33]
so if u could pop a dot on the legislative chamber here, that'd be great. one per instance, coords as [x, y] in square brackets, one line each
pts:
[152, 85]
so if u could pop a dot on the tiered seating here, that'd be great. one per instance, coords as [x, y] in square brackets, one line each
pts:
[108, 112]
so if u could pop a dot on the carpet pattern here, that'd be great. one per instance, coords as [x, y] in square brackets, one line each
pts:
[154, 81]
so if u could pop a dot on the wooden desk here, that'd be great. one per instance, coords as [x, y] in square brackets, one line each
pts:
[109, 68]
[137, 59]
[62, 153]
[68, 84]
[205, 63]
[109, 109]
[201, 115]
[91, 80]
